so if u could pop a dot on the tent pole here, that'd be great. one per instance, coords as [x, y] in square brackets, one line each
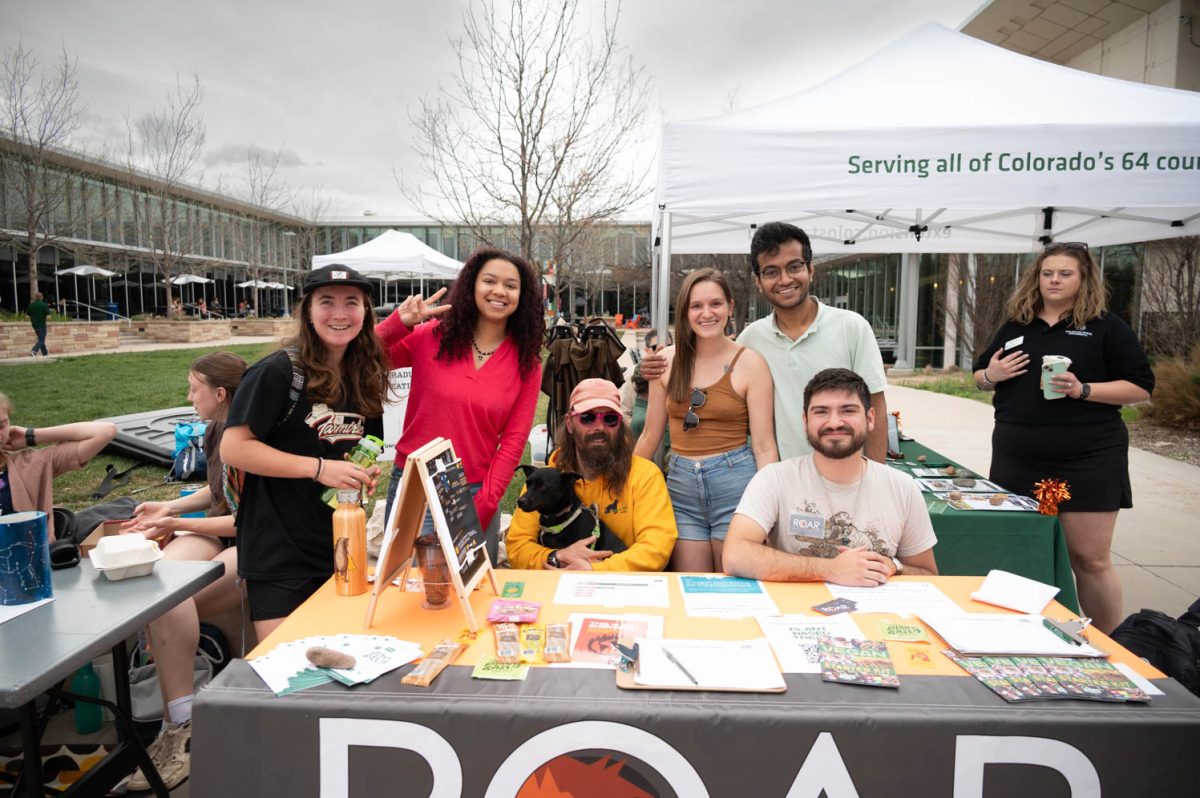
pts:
[906, 338]
[662, 308]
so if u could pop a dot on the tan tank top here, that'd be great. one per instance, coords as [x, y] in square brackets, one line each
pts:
[724, 419]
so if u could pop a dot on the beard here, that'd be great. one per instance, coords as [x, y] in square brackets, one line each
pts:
[838, 448]
[596, 452]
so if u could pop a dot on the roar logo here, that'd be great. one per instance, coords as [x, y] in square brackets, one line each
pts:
[333, 426]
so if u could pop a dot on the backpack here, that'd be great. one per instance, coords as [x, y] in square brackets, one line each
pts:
[1169, 644]
[189, 463]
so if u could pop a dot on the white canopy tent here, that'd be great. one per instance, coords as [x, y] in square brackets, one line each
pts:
[394, 254]
[937, 143]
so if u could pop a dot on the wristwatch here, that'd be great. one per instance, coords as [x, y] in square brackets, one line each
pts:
[30, 440]
[899, 565]
[552, 560]
[1085, 390]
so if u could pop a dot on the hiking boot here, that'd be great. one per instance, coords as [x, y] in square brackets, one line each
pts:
[171, 753]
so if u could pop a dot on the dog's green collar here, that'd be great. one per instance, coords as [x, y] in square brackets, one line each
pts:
[554, 529]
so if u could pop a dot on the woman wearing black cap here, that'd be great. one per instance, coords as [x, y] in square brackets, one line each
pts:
[296, 414]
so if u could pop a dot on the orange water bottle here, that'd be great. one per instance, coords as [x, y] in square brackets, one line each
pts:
[349, 545]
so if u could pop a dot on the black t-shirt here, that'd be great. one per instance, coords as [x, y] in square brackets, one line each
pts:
[1103, 351]
[284, 530]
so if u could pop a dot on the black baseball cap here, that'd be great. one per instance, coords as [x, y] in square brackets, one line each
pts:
[335, 274]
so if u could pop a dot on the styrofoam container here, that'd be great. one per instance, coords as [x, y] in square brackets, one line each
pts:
[125, 562]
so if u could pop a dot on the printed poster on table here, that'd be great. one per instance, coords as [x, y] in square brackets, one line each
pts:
[725, 597]
[594, 636]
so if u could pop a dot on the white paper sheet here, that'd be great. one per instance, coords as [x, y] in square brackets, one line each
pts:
[725, 597]
[1003, 635]
[717, 664]
[900, 598]
[8, 612]
[612, 590]
[793, 638]
[1014, 592]
[286, 669]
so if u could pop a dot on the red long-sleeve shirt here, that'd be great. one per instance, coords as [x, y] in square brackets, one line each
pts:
[486, 413]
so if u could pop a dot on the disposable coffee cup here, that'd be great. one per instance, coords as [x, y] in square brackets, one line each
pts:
[1052, 366]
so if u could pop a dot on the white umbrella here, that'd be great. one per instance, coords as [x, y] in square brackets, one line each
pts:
[185, 279]
[93, 272]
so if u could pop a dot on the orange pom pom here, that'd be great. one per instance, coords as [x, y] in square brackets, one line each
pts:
[1050, 493]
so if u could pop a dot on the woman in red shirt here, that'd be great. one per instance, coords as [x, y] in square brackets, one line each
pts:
[476, 374]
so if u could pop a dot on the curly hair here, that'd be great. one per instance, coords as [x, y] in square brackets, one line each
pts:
[362, 381]
[525, 326]
[1026, 301]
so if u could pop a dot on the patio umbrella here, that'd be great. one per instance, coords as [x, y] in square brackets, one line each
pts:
[191, 279]
[92, 272]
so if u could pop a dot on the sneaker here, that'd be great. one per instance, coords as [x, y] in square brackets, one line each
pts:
[171, 753]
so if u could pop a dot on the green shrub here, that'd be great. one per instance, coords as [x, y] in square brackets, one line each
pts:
[1176, 400]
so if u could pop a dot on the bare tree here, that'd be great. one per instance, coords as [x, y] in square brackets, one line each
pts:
[1170, 296]
[974, 304]
[164, 149]
[536, 128]
[40, 109]
[264, 188]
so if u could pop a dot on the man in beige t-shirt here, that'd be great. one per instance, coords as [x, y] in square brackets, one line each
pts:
[832, 516]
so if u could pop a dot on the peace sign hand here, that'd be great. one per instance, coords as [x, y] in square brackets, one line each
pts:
[416, 309]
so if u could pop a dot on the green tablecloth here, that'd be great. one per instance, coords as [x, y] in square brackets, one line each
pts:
[971, 543]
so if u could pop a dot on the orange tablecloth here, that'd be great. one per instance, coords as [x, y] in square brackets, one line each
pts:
[400, 614]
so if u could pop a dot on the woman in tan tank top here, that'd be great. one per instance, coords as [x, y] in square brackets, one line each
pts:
[714, 394]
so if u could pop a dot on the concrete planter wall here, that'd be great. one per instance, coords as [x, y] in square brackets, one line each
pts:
[62, 337]
[183, 332]
[276, 328]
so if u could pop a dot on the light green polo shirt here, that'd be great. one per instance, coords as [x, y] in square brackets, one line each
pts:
[836, 339]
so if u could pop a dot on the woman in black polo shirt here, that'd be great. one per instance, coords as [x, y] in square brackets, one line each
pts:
[1058, 308]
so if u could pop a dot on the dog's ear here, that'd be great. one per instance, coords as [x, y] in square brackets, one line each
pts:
[571, 476]
[525, 468]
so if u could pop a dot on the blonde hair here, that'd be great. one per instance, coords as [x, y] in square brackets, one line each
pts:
[1026, 303]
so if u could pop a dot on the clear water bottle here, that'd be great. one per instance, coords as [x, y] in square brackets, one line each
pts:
[364, 453]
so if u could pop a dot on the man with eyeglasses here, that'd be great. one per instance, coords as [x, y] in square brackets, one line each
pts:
[801, 337]
[630, 493]
[833, 515]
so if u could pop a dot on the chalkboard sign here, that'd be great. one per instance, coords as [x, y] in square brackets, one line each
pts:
[433, 478]
[457, 509]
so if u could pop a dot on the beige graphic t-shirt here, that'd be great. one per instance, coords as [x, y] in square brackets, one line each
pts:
[805, 514]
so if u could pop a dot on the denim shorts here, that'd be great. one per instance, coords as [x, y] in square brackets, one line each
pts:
[705, 492]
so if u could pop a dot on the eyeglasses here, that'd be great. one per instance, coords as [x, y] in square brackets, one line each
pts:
[588, 418]
[773, 273]
[691, 420]
[1059, 246]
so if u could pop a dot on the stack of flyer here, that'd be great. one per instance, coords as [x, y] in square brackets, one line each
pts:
[286, 669]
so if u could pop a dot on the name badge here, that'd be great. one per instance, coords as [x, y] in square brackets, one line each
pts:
[1015, 342]
[807, 525]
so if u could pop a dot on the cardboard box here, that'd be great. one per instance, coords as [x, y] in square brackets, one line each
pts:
[105, 528]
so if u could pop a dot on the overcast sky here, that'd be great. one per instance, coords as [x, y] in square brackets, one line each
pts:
[334, 83]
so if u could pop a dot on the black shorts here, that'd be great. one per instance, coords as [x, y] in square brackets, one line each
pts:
[1092, 458]
[278, 598]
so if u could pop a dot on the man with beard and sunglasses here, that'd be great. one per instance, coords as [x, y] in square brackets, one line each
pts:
[833, 515]
[629, 492]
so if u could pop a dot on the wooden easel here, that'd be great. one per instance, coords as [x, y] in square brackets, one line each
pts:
[433, 479]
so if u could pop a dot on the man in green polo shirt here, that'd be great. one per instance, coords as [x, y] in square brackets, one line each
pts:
[37, 312]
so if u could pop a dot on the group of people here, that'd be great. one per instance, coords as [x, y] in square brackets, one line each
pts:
[777, 439]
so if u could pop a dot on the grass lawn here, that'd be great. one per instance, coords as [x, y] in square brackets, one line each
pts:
[95, 386]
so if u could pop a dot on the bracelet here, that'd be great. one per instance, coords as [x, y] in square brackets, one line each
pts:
[988, 379]
[320, 467]
[30, 438]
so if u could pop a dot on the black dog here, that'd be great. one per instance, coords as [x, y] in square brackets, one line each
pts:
[564, 520]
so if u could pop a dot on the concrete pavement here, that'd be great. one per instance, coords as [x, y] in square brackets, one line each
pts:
[1157, 558]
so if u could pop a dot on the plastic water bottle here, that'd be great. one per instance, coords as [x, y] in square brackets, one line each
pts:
[88, 716]
[364, 453]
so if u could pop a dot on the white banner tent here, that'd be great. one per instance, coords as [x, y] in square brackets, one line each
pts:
[394, 254]
[937, 143]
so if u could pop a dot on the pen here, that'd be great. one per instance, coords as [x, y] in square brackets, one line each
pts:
[1059, 632]
[679, 665]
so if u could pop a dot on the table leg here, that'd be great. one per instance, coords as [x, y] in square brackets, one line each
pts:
[125, 732]
[29, 780]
